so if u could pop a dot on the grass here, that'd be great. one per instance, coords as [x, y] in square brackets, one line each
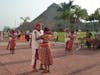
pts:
[61, 36]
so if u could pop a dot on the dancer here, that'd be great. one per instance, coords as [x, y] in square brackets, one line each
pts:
[88, 38]
[45, 52]
[12, 42]
[70, 45]
[36, 34]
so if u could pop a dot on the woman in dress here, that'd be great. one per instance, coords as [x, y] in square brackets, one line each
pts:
[70, 45]
[45, 51]
[12, 42]
[22, 37]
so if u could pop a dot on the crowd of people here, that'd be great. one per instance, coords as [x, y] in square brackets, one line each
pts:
[71, 41]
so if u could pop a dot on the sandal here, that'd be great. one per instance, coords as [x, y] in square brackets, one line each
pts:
[45, 71]
[41, 69]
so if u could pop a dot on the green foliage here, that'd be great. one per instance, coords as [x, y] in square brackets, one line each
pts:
[68, 10]
[65, 9]
[61, 36]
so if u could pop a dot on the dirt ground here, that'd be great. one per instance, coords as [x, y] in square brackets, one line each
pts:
[82, 62]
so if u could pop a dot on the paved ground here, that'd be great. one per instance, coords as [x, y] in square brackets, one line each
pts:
[83, 62]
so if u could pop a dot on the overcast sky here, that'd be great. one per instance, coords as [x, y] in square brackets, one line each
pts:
[12, 10]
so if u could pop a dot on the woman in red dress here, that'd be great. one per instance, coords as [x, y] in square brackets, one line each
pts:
[45, 51]
[12, 42]
[70, 45]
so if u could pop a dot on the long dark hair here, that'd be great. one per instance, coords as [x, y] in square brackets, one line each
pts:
[47, 30]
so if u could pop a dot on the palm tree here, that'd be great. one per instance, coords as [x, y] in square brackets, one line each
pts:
[72, 13]
[80, 13]
[25, 23]
[25, 19]
[97, 14]
[65, 10]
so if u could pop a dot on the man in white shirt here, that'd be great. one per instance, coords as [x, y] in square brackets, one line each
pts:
[36, 34]
[76, 42]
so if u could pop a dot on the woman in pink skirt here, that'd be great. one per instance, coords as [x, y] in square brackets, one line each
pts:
[45, 51]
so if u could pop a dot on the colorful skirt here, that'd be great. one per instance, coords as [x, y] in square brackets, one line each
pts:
[45, 54]
[12, 44]
[70, 45]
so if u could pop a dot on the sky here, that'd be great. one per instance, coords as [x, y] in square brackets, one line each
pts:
[12, 10]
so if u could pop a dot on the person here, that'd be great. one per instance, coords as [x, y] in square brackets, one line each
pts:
[45, 51]
[9, 36]
[19, 33]
[30, 39]
[27, 35]
[97, 40]
[77, 45]
[1, 35]
[55, 37]
[36, 34]
[88, 38]
[67, 38]
[12, 41]
[70, 45]
[22, 37]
